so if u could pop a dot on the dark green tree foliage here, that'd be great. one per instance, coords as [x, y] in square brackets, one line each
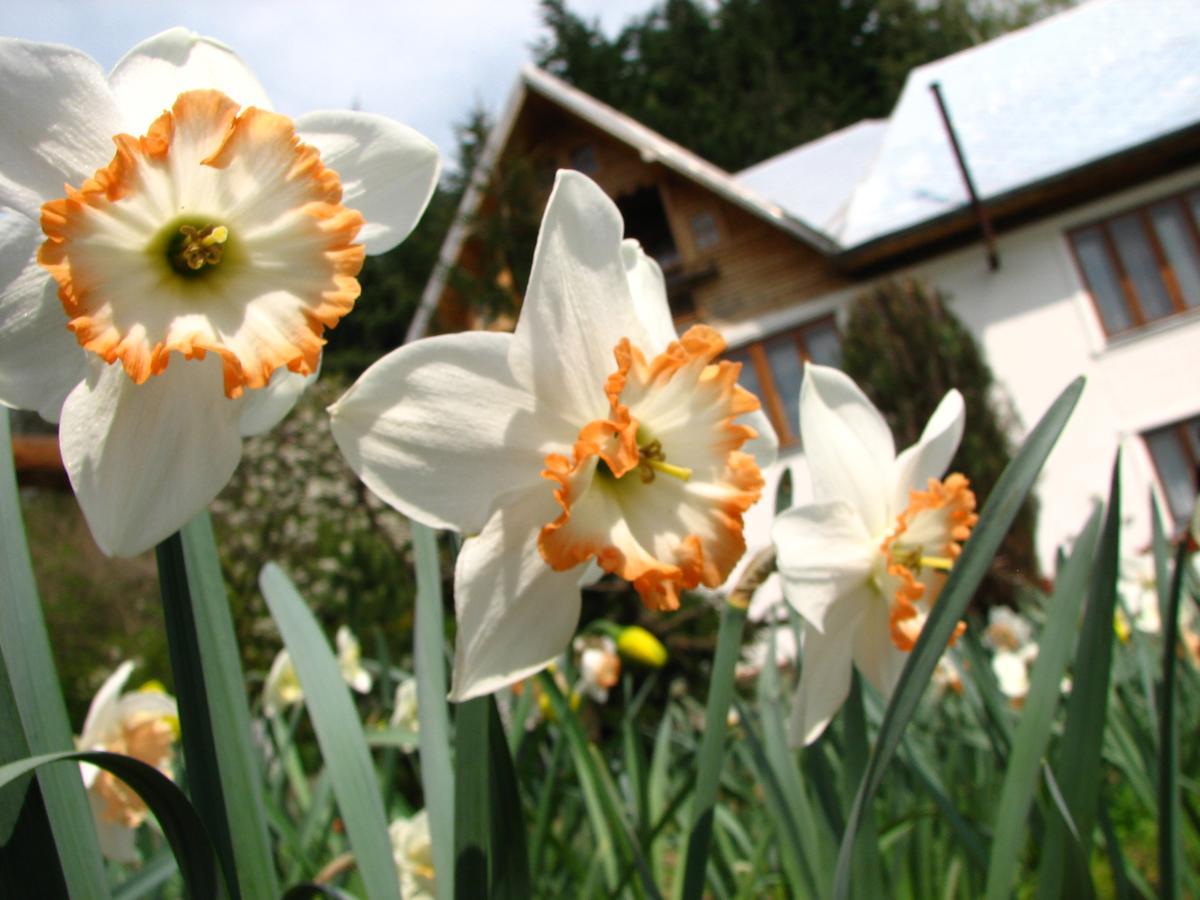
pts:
[906, 350]
[746, 79]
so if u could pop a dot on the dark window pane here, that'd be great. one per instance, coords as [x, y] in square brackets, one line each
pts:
[787, 371]
[1179, 247]
[1192, 427]
[1140, 265]
[823, 345]
[583, 159]
[704, 230]
[1101, 279]
[1174, 471]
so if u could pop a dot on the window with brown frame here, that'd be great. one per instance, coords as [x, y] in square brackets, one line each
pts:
[773, 369]
[1175, 449]
[1143, 264]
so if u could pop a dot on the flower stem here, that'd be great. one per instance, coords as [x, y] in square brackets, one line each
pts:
[712, 748]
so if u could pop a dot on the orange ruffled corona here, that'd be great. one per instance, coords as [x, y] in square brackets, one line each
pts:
[926, 541]
[656, 492]
[271, 258]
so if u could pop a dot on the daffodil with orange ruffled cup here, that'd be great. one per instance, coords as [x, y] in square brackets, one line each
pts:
[171, 252]
[864, 562]
[593, 432]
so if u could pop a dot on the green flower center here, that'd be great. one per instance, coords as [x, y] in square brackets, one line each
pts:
[193, 247]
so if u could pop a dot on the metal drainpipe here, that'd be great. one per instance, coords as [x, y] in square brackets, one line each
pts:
[985, 222]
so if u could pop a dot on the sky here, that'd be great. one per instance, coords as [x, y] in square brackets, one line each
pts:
[422, 63]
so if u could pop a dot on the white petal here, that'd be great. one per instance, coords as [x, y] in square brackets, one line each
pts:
[388, 170]
[144, 459]
[57, 119]
[439, 429]
[578, 306]
[879, 660]
[40, 360]
[824, 681]
[847, 444]
[1012, 674]
[116, 841]
[146, 703]
[767, 602]
[102, 715]
[515, 613]
[266, 407]
[930, 456]
[823, 553]
[649, 292]
[148, 78]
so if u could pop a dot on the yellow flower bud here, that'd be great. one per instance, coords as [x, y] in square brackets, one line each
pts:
[639, 645]
[1121, 627]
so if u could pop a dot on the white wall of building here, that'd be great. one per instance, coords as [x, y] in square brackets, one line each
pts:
[1039, 330]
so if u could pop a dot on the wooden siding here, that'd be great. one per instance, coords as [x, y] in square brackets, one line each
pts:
[752, 269]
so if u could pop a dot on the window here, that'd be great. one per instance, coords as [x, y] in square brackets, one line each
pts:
[583, 159]
[1144, 264]
[704, 230]
[1175, 449]
[773, 369]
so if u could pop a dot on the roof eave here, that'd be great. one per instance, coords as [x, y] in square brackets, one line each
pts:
[1066, 188]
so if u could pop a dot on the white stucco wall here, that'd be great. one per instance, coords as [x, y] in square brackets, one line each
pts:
[1039, 330]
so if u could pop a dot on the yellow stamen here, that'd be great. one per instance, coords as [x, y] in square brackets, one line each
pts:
[681, 472]
[654, 460]
[200, 247]
[941, 563]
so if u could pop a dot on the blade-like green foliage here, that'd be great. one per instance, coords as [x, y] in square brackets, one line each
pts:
[1037, 716]
[339, 733]
[712, 749]
[490, 853]
[1066, 852]
[25, 654]
[1170, 843]
[212, 697]
[181, 825]
[437, 778]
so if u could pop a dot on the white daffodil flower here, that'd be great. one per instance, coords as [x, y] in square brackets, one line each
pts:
[164, 301]
[865, 560]
[599, 666]
[1011, 668]
[349, 657]
[142, 724]
[405, 712]
[592, 432]
[412, 851]
[947, 677]
[1007, 630]
[281, 688]
[1137, 584]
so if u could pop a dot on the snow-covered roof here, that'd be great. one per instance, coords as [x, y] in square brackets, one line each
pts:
[1088, 83]
[816, 180]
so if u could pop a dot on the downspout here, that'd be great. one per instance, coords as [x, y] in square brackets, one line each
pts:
[977, 207]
